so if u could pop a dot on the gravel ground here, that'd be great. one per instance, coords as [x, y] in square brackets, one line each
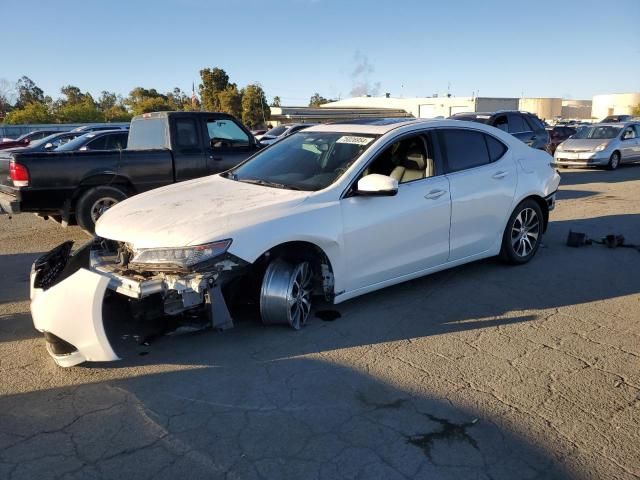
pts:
[484, 371]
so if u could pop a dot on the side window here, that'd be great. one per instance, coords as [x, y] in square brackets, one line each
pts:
[225, 134]
[628, 133]
[186, 133]
[99, 143]
[516, 124]
[405, 160]
[496, 148]
[464, 149]
[117, 141]
[637, 127]
[501, 123]
[534, 122]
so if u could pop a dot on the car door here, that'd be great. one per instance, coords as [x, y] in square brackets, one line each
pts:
[389, 237]
[228, 144]
[628, 144]
[482, 176]
[188, 151]
[636, 156]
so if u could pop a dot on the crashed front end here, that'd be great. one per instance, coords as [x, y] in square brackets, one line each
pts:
[72, 291]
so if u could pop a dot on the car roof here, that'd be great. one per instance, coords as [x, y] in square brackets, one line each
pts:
[357, 126]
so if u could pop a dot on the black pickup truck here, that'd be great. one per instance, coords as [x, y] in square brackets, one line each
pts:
[163, 148]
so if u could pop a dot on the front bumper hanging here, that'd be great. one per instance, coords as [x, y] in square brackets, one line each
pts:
[68, 297]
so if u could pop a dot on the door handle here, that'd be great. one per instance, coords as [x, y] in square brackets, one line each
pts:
[433, 194]
[215, 158]
[500, 174]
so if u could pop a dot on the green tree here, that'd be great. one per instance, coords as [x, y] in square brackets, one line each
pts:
[34, 112]
[141, 100]
[230, 101]
[636, 110]
[316, 100]
[214, 81]
[255, 109]
[84, 111]
[275, 102]
[28, 92]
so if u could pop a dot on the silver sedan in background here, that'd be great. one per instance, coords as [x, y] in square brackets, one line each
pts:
[603, 144]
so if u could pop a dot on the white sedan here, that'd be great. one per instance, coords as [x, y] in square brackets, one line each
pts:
[334, 210]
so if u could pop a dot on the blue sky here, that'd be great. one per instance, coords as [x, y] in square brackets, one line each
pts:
[569, 48]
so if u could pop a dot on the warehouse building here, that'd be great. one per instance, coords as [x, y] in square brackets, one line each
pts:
[429, 107]
[614, 104]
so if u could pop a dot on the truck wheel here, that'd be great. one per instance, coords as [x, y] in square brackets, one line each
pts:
[93, 203]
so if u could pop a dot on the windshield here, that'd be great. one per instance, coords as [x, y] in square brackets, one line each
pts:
[597, 133]
[304, 161]
[76, 143]
[277, 131]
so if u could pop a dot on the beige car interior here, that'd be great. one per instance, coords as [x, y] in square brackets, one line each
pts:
[406, 160]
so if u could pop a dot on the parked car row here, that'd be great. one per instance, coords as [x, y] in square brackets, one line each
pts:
[89, 174]
[602, 144]
[332, 211]
[28, 138]
[524, 126]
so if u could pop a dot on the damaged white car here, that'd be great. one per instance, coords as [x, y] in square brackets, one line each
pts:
[333, 211]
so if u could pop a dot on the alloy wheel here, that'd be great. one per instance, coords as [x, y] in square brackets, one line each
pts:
[525, 232]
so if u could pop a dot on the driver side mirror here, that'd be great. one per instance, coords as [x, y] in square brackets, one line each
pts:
[49, 146]
[376, 185]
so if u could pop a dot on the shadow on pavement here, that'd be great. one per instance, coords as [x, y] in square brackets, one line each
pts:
[624, 173]
[288, 419]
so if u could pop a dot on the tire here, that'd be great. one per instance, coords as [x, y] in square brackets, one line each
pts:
[523, 233]
[614, 161]
[93, 203]
[285, 295]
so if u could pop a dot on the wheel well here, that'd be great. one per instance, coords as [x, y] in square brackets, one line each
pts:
[299, 250]
[544, 207]
[120, 183]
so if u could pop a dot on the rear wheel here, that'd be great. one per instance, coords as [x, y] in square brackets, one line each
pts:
[285, 295]
[614, 161]
[523, 233]
[93, 203]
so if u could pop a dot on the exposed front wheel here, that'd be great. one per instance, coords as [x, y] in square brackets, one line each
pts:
[285, 296]
[522, 236]
[614, 161]
[93, 203]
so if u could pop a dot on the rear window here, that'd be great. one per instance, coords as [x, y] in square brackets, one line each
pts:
[148, 133]
[535, 122]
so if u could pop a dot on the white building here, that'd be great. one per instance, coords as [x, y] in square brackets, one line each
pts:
[614, 104]
[429, 107]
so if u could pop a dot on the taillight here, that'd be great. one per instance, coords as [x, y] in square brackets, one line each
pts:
[19, 174]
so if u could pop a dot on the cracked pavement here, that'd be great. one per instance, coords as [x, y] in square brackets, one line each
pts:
[483, 372]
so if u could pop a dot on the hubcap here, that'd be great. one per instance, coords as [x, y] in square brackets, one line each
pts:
[100, 206]
[614, 161]
[525, 232]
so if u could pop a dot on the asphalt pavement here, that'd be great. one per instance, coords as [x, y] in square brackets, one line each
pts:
[482, 372]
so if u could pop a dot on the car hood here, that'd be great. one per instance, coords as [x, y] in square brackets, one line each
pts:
[586, 144]
[194, 212]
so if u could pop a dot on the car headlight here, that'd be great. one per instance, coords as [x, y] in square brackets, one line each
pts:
[182, 256]
[601, 147]
[559, 147]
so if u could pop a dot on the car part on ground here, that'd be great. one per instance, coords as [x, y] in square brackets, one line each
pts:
[335, 211]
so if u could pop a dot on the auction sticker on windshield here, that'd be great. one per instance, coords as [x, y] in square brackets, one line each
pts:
[354, 140]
